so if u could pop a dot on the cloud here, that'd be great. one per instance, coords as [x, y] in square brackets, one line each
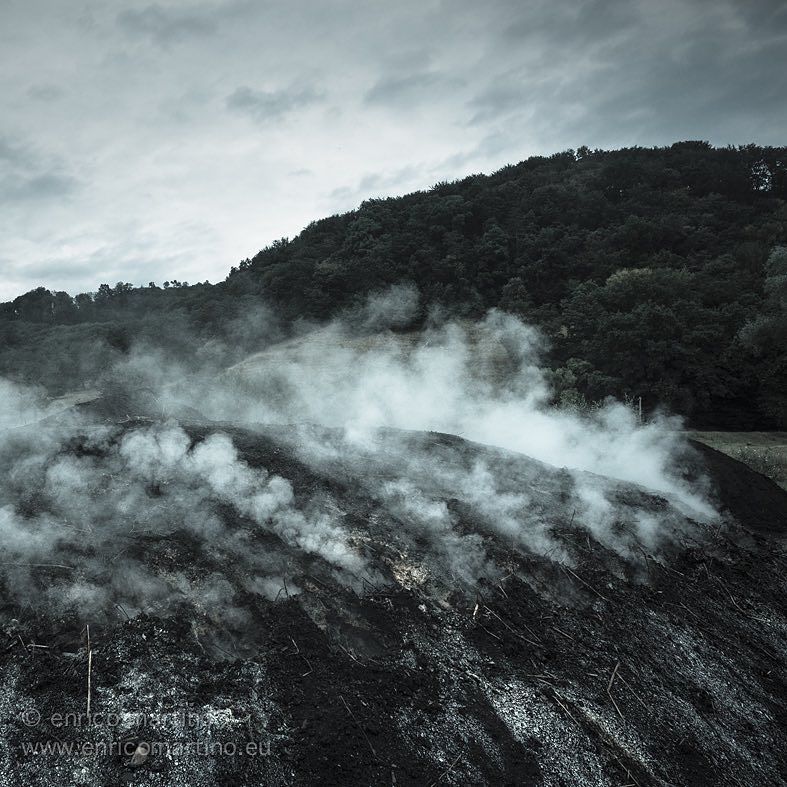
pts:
[265, 106]
[79, 263]
[167, 25]
[491, 145]
[123, 97]
[156, 481]
[410, 88]
[29, 175]
[389, 493]
[615, 73]
[482, 382]
[15, 154]
[376, 183]
[497, 100]
[46, 186]
[45, 92]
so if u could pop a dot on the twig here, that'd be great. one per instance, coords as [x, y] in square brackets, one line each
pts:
[641, 701]
[322, 584]
[633, 782]
[531, 632]
[609, 692]
[39, 565]
[567, 636]
[223, 650]
[589, 587]
[298, 653]
[371, 584]
[567, 711]
[693, 614]
[735, 603]
[89, 669]
[363, 731]
[668, 568]
[644, 554]
[448, 769]
[541, 678]
[512, 630]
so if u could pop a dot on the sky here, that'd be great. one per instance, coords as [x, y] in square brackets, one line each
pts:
[170, 140]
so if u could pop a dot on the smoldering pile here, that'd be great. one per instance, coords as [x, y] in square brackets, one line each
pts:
[562, 601]
[462, 599]
[136, 502]
[118, 519]
[384, 601]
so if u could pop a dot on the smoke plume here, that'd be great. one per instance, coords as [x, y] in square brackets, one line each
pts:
[157, 505]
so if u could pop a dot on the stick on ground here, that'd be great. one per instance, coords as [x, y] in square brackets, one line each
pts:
[609, 689]
[358, 724]
[89, 670]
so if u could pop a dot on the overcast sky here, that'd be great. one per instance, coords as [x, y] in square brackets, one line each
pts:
[169, 140]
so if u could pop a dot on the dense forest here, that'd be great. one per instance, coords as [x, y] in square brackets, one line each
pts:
[659, 273]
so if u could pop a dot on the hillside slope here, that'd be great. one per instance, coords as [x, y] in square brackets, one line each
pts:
[654, 273]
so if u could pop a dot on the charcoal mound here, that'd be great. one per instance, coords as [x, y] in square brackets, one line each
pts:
[277, 606]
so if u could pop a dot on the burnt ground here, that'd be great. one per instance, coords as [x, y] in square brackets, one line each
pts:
[661, 667]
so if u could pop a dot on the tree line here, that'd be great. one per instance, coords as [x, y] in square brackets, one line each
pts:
[654, 272]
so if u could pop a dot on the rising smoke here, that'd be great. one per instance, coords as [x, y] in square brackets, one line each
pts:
[147, 514]
[480, 381]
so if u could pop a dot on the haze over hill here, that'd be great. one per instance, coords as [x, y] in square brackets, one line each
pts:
[654, 273]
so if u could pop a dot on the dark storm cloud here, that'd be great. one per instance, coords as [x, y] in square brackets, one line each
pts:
[389, 98]
[498, 99]
[45, 92]
[14, 154]
[626, 72]
[374, 184]
[26, 175]
[492, 145]
[571, 24]
[46, 186]
[111, 263]
[166, 25]
[405, 89]
[266, 106]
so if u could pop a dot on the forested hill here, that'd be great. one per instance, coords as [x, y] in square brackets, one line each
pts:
[659, 273]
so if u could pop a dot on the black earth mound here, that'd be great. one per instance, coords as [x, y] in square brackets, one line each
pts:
[576, 659]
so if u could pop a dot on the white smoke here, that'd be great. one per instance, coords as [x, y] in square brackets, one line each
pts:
[21, 405]
[84, 501]
[480, 381]
[78, 501]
